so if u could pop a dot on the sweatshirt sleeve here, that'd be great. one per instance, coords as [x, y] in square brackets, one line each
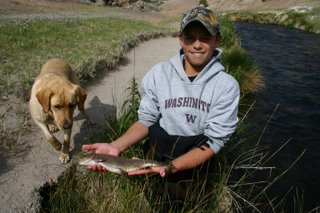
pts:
[149, 106]
[223, 116]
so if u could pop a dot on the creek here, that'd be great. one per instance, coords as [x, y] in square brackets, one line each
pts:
[290, 64]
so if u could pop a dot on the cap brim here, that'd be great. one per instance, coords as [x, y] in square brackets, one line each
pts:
[211, 31]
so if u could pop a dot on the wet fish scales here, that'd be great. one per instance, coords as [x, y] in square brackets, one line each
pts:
[118, 164]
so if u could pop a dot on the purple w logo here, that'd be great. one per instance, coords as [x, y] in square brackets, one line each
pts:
[191, 118]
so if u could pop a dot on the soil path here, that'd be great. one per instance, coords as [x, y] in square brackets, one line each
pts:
[22, 176]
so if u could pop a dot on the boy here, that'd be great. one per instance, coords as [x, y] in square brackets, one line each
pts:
[189, 105]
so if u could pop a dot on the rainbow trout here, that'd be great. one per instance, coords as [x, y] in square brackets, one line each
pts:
[118, 164]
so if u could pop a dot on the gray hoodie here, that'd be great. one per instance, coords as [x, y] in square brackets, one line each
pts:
[208, 105]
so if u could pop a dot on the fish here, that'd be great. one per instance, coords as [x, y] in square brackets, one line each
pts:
[118, 164]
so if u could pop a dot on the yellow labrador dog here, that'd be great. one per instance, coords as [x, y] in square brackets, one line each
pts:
[54, 97]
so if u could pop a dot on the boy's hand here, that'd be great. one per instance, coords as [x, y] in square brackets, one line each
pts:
[101, 148]
[153, 170]
[162, 171]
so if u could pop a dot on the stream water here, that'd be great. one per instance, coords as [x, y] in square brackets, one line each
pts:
[290, 64]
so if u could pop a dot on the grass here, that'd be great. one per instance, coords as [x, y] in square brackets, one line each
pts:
[7, 137]
[244, 69]
[11, 132]
[229, 37]
[308, 20]
[89, 45]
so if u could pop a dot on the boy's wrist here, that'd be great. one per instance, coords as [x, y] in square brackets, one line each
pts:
[117, 146]
[172, 168]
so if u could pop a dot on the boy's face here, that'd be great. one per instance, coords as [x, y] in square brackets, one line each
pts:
[198, 45]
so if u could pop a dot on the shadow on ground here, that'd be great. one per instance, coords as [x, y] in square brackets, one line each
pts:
[101, 115]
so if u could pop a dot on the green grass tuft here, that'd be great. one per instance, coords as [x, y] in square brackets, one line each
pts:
[244, 69]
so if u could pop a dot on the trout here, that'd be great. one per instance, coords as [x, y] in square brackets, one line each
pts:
[119, 165]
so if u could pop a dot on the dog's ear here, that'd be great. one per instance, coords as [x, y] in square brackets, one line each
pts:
[43, 97]
[81, 97]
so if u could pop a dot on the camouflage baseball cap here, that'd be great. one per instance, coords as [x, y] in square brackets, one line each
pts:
[203, 15]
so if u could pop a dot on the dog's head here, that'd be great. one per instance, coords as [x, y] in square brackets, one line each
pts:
[60, 99]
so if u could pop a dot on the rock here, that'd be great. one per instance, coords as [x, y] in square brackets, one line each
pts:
[136, 4]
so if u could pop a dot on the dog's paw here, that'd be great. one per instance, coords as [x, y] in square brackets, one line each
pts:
[53, 128]
[64, 158]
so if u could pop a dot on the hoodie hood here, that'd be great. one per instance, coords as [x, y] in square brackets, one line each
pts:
[210, 70]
